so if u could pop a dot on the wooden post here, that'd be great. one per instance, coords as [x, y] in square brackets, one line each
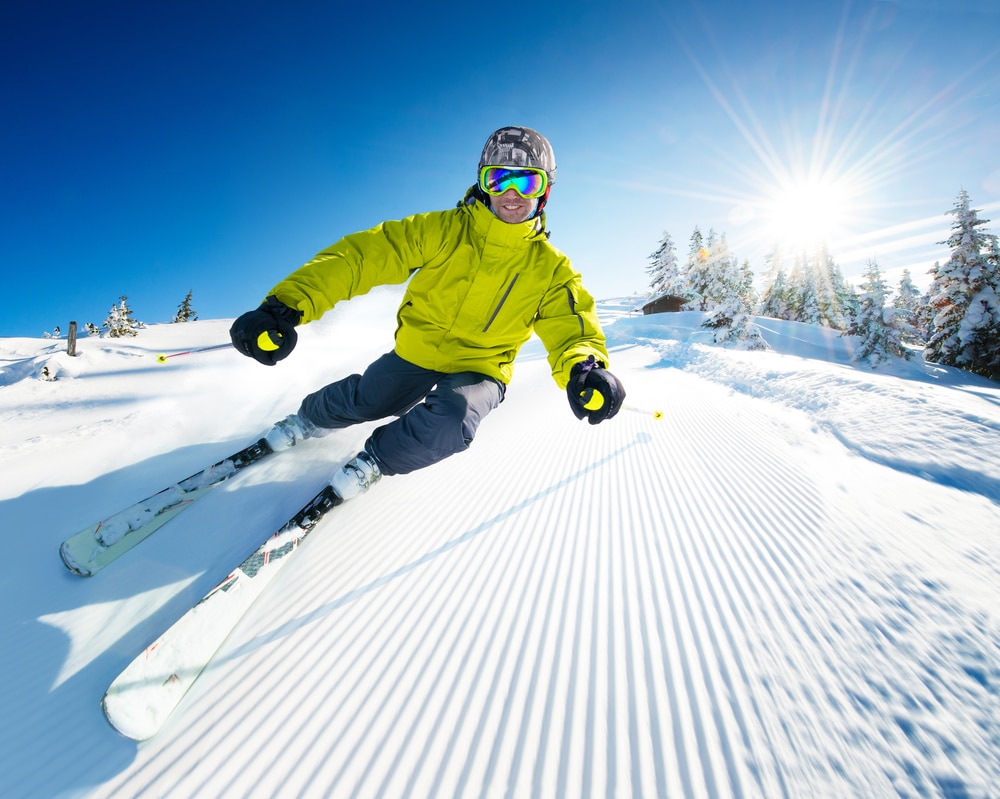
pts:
[71, 340]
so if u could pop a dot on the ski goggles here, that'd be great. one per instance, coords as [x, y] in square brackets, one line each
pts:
[529, 183]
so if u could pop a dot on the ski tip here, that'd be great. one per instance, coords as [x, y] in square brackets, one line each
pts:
[135, 727]
[72, 563]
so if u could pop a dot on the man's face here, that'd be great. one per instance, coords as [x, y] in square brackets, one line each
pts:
[512, 208]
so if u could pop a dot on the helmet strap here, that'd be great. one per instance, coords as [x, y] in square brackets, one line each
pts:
[541, 203]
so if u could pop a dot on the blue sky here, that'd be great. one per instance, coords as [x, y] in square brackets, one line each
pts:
[149, 149]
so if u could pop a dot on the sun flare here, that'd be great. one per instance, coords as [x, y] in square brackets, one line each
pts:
[804, 214]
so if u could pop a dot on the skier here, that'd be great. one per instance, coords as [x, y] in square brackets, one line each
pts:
[482, 278]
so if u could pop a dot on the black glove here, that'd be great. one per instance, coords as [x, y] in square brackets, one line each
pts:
[267, 334]
[594, 392]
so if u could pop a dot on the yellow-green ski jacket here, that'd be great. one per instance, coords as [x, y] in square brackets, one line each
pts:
[478, 288]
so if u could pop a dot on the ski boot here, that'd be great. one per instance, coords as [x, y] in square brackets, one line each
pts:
[356, 476]
[286, 433]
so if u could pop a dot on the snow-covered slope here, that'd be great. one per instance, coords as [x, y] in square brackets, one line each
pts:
[788, 586]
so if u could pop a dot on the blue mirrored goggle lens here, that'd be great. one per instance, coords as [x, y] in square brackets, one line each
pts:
[529, 183]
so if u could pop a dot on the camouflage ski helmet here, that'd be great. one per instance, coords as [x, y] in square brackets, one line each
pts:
[519, 146]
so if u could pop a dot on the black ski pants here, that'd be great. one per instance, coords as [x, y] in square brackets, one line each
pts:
[437, 413]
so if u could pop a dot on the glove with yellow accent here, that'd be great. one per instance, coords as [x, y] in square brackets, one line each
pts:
[267, 334]
[594, 392]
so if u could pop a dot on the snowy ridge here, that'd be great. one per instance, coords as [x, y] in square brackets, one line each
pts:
[860, 406]
[725, 602]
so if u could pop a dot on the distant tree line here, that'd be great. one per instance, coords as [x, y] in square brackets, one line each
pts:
[957, 320]
[121, 321]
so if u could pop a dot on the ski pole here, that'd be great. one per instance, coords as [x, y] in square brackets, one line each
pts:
[596, 401]
[163, 358]
[656, 414]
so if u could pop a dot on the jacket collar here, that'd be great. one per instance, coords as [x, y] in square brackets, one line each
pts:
[530, 230]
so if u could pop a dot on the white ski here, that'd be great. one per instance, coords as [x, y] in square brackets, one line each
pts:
[144, 695]
[93, 548]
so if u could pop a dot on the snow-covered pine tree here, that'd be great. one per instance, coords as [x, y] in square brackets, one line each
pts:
[694, 268]
[847, 297]
[732, 318]
[924, 320]
[121, 321]
[838, 301]
[664, 270]
[817, 293]
[964, 296]
[185, 313]
[745, 286]
[877, 326]
[723, 272]
[774, 300]
[712, 271]
[797, 288]
[907, 295]
[907, 302]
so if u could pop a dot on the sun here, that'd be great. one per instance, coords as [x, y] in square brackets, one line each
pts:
[803, 214]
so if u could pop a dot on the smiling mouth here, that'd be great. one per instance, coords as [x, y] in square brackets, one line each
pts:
[512, 208]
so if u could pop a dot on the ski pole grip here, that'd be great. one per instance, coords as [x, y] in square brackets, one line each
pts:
[270, 340]
[594, 402]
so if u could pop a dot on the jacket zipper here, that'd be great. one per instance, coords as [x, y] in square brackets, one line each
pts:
[572, 309]
[503, 299]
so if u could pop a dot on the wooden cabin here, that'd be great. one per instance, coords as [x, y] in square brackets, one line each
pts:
[665, 303]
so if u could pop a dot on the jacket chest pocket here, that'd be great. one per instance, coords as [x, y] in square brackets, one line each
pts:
[501, 302]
